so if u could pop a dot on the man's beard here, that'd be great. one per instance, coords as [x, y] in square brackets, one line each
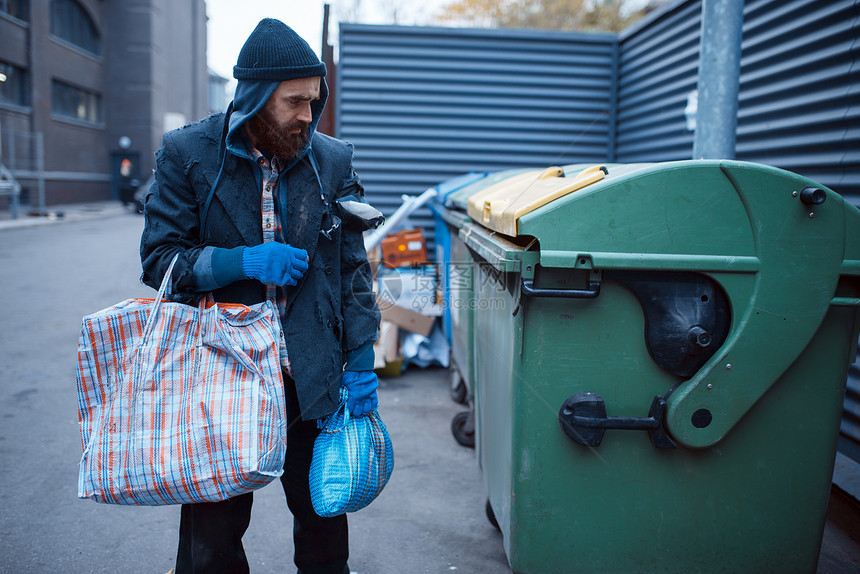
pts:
[274, 139]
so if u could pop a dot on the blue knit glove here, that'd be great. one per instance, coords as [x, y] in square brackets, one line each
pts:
[274, 263]
[361, 392]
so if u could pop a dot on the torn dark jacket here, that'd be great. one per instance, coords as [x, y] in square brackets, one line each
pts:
[332, 311]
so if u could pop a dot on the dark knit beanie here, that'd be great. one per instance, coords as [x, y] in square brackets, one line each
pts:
[275, 52]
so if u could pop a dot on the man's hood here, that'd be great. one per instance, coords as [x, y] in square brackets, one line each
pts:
[250, 97]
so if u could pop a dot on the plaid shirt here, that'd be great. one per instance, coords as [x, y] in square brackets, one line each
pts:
[272, 228]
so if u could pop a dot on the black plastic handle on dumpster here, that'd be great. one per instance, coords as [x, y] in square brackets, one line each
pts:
[812, 196]
[583, 419]
[590, 293]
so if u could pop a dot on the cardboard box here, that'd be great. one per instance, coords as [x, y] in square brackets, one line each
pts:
[404, 249]
[410, 288]
[386, 349]
[409, 320]
[387, 357]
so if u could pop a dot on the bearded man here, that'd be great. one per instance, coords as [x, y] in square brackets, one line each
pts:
[256, 204]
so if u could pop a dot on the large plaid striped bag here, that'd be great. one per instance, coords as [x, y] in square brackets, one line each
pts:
[352, 461]
[180, 404]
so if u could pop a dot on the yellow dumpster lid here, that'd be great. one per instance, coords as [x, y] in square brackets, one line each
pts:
[500, 206]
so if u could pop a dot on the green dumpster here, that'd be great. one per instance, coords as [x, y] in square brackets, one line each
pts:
[660, 364]
[460, 293]
[461, 300]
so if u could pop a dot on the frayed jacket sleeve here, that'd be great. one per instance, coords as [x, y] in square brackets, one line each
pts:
[360, 312]
[172, 223]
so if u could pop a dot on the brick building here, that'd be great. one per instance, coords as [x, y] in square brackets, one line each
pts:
[98, 82]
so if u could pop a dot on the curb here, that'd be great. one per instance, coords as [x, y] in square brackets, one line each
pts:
[63, 213]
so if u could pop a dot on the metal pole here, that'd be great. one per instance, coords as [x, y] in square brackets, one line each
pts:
[16, 198]
[719, 78]
[12, 166]
[15, 187]
[40, 166]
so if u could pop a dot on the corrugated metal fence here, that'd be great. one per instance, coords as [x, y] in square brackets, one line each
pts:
[426, 104]
[799, 100]
[658, 69]
[799, 105]
[422, 105]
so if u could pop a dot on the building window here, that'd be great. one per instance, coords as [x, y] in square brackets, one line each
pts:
[15, 8]
[13, 85]
[70, 22]
[75, 103]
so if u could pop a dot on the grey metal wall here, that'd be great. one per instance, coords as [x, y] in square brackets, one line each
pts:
[799, 88]
[658, 68]
[799, 102]
[422, 104]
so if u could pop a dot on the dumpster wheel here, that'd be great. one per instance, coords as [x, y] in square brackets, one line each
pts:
[463, 429]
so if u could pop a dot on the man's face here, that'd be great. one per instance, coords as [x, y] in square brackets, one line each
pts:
[281, 127]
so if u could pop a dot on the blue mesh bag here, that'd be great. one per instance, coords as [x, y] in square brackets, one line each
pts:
[352, 461]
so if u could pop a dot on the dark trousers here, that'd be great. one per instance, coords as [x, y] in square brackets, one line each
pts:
[210, 534]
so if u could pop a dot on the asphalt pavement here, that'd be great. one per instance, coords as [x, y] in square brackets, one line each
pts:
[55, 269]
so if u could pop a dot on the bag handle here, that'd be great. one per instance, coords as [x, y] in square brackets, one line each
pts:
[163, 290]
[339, 419]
